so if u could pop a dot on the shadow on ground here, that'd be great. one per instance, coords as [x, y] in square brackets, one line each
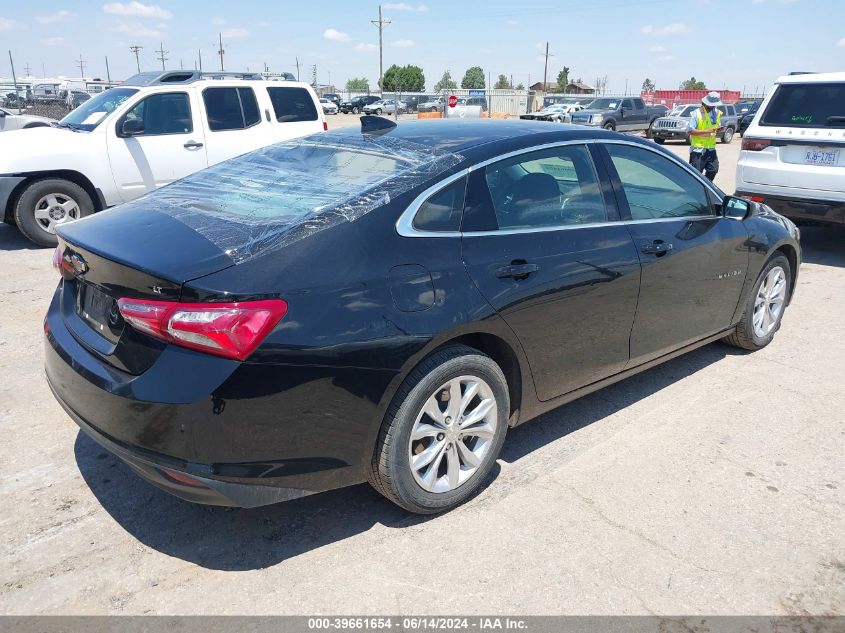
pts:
[237, 539]
[11, 239]
[824, 245]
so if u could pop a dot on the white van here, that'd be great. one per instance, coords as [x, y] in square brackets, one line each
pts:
[145, 133]
[793, 153]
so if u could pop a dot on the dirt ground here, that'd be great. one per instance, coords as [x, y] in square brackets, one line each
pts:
[714, 484]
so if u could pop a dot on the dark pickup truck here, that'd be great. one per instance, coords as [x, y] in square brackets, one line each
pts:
[624, 114]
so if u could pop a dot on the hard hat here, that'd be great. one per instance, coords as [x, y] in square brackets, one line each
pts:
[712, 99]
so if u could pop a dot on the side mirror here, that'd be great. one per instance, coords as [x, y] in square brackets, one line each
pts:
[736, 208]
[131, 127]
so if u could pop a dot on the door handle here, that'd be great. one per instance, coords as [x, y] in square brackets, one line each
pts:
[658, 247]
[516, 271]
[192, 145]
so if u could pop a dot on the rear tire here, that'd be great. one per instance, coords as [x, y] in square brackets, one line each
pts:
[355, 110]
[610, 125]
[759, 322]
[446, 463]
[45, 204]
[728, 135]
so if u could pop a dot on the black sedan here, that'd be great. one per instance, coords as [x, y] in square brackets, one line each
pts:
[382, 304]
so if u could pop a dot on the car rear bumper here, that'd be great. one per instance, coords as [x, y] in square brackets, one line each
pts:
[243, 434]
[800, 209]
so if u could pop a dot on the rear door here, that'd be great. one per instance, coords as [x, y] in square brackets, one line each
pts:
[168, 145]
[543, 244]
[694, 261]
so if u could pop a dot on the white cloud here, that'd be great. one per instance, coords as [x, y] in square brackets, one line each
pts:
[136, 29]
[335, 35]
[7, 24]
[404, 6]
[367, 48]
[669, 29]
[218, 21]
[137, 9]
[657, 49]
[841, 43]
[667, 58]
[512, 22]
[53, 41]
[402, 43]
[51, 18]
[234, 33]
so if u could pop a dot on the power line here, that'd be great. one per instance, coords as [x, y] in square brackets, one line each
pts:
[380, 23]
[162, 54]
[136, 50]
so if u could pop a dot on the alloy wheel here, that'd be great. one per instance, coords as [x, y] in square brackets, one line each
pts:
[54, 209]
[452, 434]
[769, 302]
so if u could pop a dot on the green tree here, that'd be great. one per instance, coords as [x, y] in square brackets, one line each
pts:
[357, 84]
[693, 84]
[404, 79]
[563, 79]
[473, 78]
[446, 83]
[648, 85]
[519, 87]
[503, 83]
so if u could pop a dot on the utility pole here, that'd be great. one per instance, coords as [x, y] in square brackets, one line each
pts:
[27, 69]
[380, 23]
[108, 74]
[15, 80]
[136, 50]
[81, 63]
[161, 54]
[43, 70]
[220, 50]
[297, 68]
[546, 68]
[199, 57]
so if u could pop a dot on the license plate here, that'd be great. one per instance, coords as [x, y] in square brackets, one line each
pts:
[821, 157]
[97, 309]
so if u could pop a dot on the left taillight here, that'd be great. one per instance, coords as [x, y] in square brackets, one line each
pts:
[231, 330]
[60, 264]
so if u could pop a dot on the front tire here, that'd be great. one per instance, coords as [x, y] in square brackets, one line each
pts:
[610, 125]
[45, 204]
[764, 309]
[659, 141]
[728, 135]
[442, 432]
[378, 111]
[355, 110]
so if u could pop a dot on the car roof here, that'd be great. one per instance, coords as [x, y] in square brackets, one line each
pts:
[458, 135]
[806, 78]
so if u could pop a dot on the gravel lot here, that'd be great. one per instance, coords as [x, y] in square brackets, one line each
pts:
[714, 484]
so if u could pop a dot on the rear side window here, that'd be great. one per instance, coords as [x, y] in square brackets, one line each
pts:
[292, 105]
[442, 211]
[807, 105]
[230, 108]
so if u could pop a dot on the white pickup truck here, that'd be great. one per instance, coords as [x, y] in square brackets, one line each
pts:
[151, 130]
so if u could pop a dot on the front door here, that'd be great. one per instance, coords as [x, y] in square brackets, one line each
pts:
[543, 245]
[166, 143]
[694, 261]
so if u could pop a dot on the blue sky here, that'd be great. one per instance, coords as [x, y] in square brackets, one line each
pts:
[727, 43]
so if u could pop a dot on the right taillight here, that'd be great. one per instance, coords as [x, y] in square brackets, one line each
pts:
[232, 330]
[755, 144]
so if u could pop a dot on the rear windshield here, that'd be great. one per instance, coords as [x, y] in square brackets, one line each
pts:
[807, 105]
[282, 193]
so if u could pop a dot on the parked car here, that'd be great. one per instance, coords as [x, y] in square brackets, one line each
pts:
[793, 152]
[675, 127]
[556, 112]
[219, 344]
[435, 104]
[357, 104]
[76, 98]
[623, 114]
[745, 114]
[385, 106]
[413, 102]
[334, 98]
[474, 101]
[11, 121]
[18, 100]
[151, 130]
[329, 107]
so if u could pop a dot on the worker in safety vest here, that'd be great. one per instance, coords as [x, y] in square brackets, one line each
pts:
[704, 124]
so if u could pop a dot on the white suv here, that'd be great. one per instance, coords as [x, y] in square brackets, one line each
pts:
[151, 130]
[793, 153]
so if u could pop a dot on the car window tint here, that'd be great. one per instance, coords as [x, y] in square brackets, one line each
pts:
[807, 105]
[223, 109]
[250, 106]
[551, 187]
[655, 187]
[168, 113]
[292, 104]
[442, 211]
